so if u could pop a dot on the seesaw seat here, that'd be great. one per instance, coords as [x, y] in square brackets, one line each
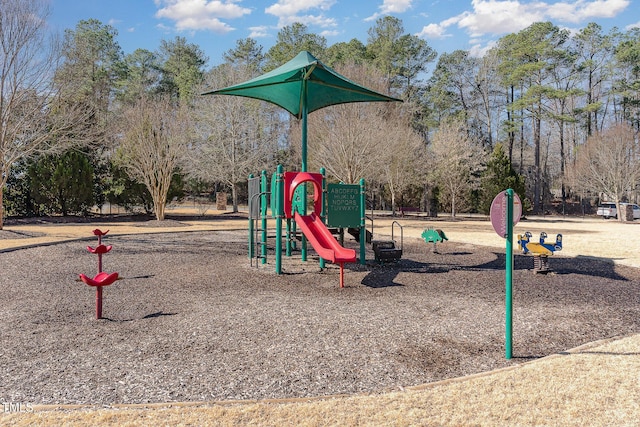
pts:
[538, 249]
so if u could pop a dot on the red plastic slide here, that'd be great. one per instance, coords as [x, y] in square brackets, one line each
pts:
[322, 240]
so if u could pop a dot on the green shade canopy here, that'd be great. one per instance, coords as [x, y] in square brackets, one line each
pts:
[284, 86]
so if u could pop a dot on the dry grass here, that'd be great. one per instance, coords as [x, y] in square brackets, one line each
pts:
[595, 385]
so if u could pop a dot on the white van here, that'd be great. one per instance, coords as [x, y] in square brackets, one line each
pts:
[609, 210]
[636, 209]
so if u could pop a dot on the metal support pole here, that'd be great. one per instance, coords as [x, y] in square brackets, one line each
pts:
[279, 213]
[98, 302]
[303, 167]
[509, 277]
[305, 113]
[99, 288]
[303, 244]
[251, 242]
[289, 234]
[263, 217]
[323, 212]
[363, 225]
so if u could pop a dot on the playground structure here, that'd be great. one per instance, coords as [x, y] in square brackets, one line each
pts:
[434, 236]
[540, 250]
[101, 279]
[302, 85]
[332, 205]
[314, 218]
[332, 209]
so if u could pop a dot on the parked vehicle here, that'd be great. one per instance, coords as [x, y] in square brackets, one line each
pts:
[609, 210]
[636, 209]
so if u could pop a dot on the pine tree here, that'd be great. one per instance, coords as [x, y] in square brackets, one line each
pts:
[498, 177]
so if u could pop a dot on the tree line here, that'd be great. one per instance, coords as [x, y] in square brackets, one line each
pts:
[553, 115]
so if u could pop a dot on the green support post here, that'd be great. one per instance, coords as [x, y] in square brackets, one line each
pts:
[289, 245]
[303, 242]
[509, 277]
[263, 216]
[303, 166]
[251, 242]
[279, 214]
[363, 223]
[323, 212]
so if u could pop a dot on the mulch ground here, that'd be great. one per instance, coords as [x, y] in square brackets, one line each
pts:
[192, 320]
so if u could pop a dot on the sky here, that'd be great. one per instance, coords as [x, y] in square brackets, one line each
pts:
[446, 25]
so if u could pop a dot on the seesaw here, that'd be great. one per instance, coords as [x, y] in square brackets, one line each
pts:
[540, 250]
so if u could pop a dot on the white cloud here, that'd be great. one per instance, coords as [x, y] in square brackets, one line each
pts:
[372, 17]
[330, 33]
[164, 28]
[395, 6]
[500, 17]
[291, 11]
[434, 31]
[497, 17]
[438, 31]
[201, 14]
[580, 11]
[259, 32]
[508, 16]
[389, 7]
[631, 26]
[294, 7]
[479, 51]
[308, 20]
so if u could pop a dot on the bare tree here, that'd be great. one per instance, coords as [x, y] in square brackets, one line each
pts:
[32, 116]
[457, 162]
[345, 141]
[609, 163]
[155, 136]
[235, 136]
[372, 140]
[399, 157]
[348, 139]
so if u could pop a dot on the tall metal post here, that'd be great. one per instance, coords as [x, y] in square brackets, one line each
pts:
[289, 233]
[303, 166]
[99, 289]
[263, 217]
[363, 223]
[305, 113]
[251, 242]
[98, 302]
[279, 205]
[323, 212]
[509, 277]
